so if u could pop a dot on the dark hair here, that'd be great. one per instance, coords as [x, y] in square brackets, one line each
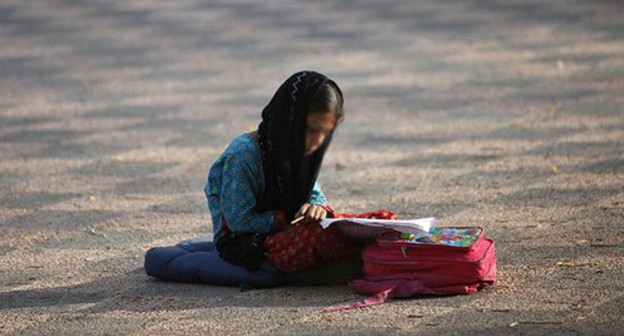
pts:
[328, 98]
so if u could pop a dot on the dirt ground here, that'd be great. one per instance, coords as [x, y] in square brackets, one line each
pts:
[504, 114]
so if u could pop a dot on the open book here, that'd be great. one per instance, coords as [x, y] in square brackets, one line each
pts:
[417, 226]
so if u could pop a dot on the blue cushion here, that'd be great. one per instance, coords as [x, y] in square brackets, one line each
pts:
[197, 261]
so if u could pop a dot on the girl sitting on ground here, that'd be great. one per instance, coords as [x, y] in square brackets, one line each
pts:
[267, 178]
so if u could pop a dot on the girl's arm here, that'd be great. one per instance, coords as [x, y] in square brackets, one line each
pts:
[317, 197]
[238, 199]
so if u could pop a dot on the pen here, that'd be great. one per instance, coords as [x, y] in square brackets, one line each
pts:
[297, 220]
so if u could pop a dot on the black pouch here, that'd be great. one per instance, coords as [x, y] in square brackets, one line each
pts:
[242, 249]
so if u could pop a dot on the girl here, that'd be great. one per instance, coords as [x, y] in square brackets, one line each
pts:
[267, 178]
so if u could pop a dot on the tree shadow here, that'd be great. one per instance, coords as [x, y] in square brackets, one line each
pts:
[135, 291]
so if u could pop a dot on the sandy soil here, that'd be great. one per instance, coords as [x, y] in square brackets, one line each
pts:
[504, 114]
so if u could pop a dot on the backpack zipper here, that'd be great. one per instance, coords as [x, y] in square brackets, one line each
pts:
[404, 252]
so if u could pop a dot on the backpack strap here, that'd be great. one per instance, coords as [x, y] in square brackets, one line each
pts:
[382, 289]
[378, 298]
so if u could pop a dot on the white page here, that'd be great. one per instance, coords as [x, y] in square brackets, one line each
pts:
[421, 225]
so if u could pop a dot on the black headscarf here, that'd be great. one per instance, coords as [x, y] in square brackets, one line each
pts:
[282, 133]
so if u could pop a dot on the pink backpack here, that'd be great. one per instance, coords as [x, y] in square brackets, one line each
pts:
[452, 260]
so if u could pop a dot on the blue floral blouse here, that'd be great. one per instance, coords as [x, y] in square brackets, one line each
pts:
[236, 183]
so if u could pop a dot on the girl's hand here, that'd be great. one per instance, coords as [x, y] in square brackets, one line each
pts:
[311, 213]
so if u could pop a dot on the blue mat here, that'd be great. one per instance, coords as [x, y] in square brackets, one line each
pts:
[197, 261]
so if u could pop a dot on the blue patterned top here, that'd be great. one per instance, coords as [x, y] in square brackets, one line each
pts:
[236, 183]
